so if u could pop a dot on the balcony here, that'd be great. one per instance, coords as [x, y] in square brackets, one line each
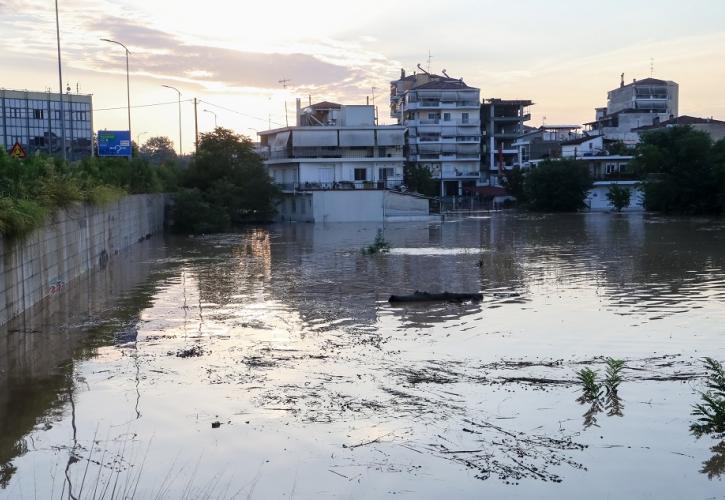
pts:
[379, 185]
[513, 118]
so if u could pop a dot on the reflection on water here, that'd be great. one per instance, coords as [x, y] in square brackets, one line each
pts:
[299, 353]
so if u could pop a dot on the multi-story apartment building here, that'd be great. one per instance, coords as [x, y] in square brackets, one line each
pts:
[502, 122]
[442, 116]
[543, 143]
[334, 147]
[32, 119]
[635, 105]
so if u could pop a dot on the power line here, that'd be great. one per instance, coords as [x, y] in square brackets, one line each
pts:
[142, 105]
[239, 113]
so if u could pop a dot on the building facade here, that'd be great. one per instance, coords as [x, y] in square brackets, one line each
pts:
[442, 117]
[635, 105]
[502, 122]
[334, 147]
[543, 143]
[714, 128]
[33, 120]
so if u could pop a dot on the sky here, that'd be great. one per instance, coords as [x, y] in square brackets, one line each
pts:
[562, 54]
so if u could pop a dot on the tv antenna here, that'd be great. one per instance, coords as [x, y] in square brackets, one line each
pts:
[284, 82]
[430, 58]
[652, 66]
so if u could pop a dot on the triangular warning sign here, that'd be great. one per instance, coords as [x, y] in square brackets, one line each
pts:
[17, 151]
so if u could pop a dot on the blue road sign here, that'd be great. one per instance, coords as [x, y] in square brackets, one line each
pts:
[114, 143]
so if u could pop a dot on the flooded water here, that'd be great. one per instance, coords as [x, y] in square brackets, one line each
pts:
[269, 364]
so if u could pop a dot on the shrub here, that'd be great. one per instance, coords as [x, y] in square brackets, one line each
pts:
[711, 411]
[557, 186]
[619, 197]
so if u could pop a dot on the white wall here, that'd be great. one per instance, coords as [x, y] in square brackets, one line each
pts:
[347, 206]
[597, 197]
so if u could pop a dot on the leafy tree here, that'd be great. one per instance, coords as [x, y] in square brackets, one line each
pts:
[231, 179]
[619, 197]
[618, 148]
[679, 171]
[557, 185]
[419, 179]
[158, 150]
[513, 181]
[718, 158]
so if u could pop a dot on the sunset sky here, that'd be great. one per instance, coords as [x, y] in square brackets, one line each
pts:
[562, 54]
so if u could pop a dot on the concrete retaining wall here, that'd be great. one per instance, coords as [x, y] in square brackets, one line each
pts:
[72, 242]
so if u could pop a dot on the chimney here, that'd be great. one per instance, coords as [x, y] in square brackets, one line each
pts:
[402, 73]
[621, 83]
[299, 111]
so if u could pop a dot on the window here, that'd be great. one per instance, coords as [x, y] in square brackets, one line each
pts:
[464, 118]
[361, 174]
[432, 116]
[446, 117]
[386, 173]
[611, 168]
[38, 114]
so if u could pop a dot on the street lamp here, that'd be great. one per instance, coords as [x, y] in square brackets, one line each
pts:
[60, 82]
[128, 86]
[138, 138]
[181, 153]
[215, 117]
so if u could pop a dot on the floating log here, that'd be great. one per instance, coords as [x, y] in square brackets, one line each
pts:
[436, 297]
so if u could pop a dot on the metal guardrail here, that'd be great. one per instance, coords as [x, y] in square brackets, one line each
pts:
[390, 184]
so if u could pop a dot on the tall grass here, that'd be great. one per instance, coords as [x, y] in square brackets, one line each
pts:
[710, 412]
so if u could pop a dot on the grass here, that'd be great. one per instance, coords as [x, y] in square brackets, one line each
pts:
[380, 245]
[18, 216]
[613, 375]
[711, 410]
[591, 389]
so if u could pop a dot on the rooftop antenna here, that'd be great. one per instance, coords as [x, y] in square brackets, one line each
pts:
[444, 72]
[284, 82]
[543, 121]
[430, 57]
[651, 66]
[373, 88]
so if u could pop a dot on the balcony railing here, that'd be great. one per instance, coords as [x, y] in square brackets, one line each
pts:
[378, 185]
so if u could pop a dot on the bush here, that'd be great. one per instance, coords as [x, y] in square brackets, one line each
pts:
[19, 217]
[191, 213]
[557, 186]
[619, 197]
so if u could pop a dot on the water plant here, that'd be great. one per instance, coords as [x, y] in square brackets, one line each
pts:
[711, 410]
[591, 389]
[380, 245]
[613, 375]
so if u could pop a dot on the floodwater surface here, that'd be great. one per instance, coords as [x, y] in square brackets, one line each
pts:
[269, 364]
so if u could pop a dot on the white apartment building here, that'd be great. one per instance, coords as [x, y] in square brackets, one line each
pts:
[641, 103]
[442, 116]
[334, 146]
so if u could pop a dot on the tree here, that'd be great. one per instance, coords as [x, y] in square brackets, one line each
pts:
[230, 179]
[158, 150]
[419, 179]
[618, 148]
[678, 167]
[513, 181]
[557, 185]
[619, 197]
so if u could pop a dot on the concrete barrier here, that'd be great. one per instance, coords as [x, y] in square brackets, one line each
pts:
[71, 243]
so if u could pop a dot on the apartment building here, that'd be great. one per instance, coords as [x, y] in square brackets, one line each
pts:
[543, 143]
[442, 117]
[638, 104]
[334, 146]
[502, 123]
[33, 120]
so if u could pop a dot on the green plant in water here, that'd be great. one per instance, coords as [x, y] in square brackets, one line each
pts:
[591, 389]
[711, 410]
[380, 245]
[613, 375]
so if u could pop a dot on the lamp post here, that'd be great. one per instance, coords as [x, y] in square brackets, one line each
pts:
[128, 87]
[181, 153]
[215, 117]
[60, 83]
[138, 138]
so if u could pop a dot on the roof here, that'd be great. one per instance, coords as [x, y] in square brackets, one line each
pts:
[580, 140]
[514, 102]
[682, 120]
[325, 105]
[444, 84]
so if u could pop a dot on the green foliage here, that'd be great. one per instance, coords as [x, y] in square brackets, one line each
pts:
[35, 186]
[619, 148]
[419, 179]
[591, 389]
[380, 245]
[613, 375]
[513, 181]
[682, 171]
[227, 181]
[557, 186]
[711, 411]
[158, 150]
[619, 197]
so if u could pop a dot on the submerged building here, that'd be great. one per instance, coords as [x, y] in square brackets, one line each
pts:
[442, 117]
[33, 120]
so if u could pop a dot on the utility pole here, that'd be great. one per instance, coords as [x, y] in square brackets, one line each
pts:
[284, 82]
[128, 88]
[181, 152]
[196, 124]
[60, 83]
